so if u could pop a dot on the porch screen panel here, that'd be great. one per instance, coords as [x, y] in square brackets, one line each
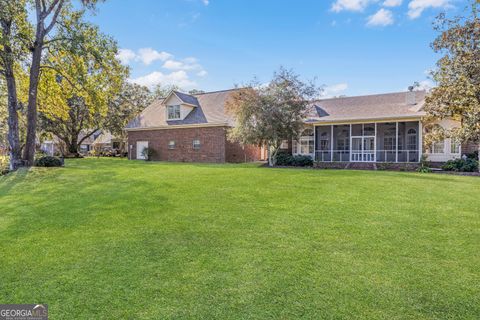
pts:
[341, 143]
[410, 141]
[386, 142]
[323, 142]
[402, 154]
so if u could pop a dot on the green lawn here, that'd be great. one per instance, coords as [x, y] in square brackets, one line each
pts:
[119, 239]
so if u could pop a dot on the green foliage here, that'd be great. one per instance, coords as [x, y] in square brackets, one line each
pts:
[424, 165]
[48, 161]
[460, 165]
[286, 159]
[268, 115]
[456, 95]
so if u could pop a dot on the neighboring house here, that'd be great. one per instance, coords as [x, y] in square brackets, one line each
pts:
[106, 142]
[190, 128]
[364, 129]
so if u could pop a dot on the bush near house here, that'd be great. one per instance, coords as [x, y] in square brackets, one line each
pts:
[285, 159]
[48, 161]
[460, 165]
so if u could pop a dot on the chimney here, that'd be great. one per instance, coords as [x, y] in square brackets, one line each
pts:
[410, 97]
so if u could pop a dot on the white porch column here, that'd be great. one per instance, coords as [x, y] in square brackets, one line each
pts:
[350, 145]
[375, 145]
[420, 140]
[396, 141]
[331, 143]
[314, 142]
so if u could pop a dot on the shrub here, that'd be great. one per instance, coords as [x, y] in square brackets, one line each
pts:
[48, 161]
[424, 168]
[473, 155]
[460, 165]
[284, 159]
[302, 161]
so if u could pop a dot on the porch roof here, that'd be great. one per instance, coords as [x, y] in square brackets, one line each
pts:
[391, 106]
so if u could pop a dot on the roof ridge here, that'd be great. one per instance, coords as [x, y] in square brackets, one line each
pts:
[368, 95]
[217, 91]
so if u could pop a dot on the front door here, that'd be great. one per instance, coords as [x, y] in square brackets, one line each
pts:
[140, 146]
[363, 149]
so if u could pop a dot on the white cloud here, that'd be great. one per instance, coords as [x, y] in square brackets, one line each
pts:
[416, 7]
[382, 17]
[125, 55]
[187, 64]
[350, 5]
[145, 55]
[179, 78]
[206, 2]
[334, 90]
[392, 3]
[149, 55]
[425, 85]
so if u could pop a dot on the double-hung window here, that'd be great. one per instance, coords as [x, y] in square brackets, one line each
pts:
[171, 144]
[196, 144]
[173, 112]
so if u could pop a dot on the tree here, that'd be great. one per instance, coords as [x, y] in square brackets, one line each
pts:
[14, 32]
[131, 100]
[48, 13]
[457, 94]
[79, 81]
[268, 115]
[160, 91]
[195, 91]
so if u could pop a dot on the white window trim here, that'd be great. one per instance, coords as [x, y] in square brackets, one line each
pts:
[179, 112]
[196, 146]
[170, 145]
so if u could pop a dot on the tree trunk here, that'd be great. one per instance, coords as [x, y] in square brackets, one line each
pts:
[72, 147]
[13, 127]
[29, 152]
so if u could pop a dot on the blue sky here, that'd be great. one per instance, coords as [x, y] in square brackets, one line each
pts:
[352, 46]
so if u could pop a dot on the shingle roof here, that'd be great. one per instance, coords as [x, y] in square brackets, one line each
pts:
[371, 107]
[210, 110]
[186, 98]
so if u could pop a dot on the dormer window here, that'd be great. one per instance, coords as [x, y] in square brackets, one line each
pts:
[173, 112]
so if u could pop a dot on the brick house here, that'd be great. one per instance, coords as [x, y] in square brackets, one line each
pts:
[188, 128]
[381, 128]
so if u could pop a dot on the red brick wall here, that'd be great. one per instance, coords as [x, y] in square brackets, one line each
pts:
[212, 140]
[235, 152]
[214, 145]
[469, 147]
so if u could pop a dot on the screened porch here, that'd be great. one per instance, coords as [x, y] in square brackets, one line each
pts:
[368, 142]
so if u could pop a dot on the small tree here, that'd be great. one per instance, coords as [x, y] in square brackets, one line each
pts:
[268, 115]
[457, 95]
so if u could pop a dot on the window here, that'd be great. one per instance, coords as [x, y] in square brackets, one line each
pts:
[324, 142]
[455, 146]
[173, 112]
[438, 147]
[305, 144]
[412, 139]
[196, 144]
[171, 144]
[116, 145]
[284, 144]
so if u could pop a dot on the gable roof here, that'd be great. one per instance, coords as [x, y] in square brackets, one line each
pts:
[371, 107]
[210, 110]
[186, 98]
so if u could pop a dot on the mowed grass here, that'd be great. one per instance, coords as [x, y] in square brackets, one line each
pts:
[119, 239]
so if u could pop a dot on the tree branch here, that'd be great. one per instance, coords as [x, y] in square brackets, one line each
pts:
[87, 136]
[55, 15]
